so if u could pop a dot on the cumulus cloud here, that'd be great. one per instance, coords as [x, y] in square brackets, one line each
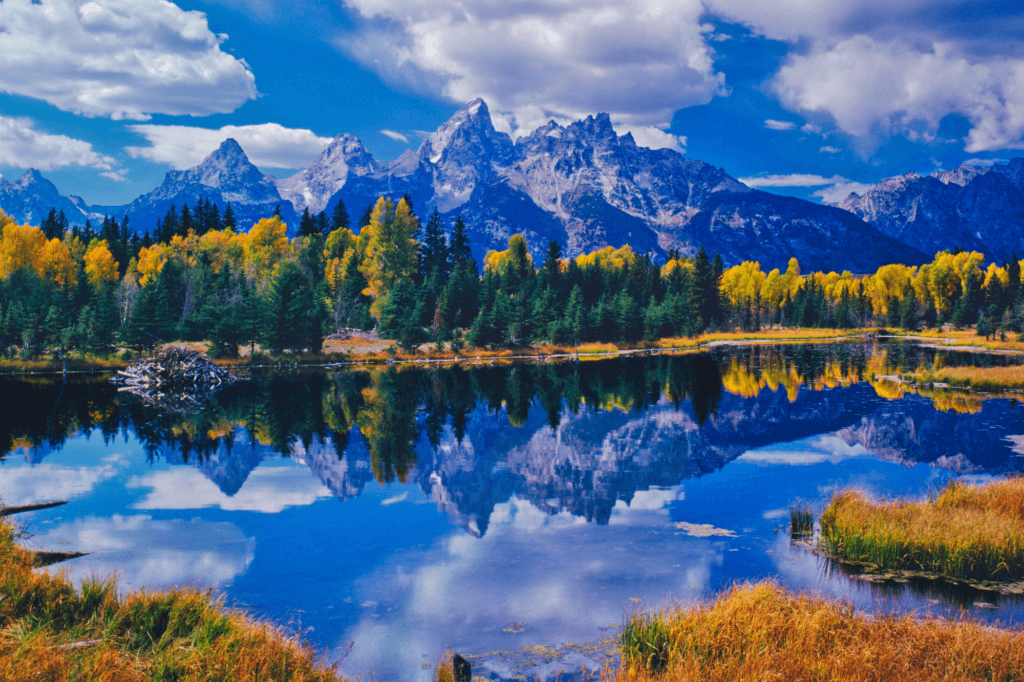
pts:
[791, 180]
[889, 87]
[125, 59]
[880, 68]
[144, 552]
[772, 124]
[31, 484]
[267, 489]
[638, 61]
[653, 137]
[397, 137]
[839, 191]
[268, 145]
[22, 146]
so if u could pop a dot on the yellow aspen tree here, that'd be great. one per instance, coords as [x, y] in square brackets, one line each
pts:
[21, 246]
[391, 249]
[264, 247]
[100, 266]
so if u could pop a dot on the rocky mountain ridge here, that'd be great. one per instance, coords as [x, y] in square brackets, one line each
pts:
[582, 184]
[977, 208]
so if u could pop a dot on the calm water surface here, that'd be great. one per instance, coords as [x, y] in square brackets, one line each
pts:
[515, 514]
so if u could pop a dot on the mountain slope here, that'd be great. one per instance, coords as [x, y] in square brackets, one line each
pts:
[30, 198]
[975, 208]
[224, 176]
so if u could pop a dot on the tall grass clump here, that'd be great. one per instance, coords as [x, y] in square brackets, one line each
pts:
[181, 634]
[646, 642]
[966, 533]
[801, 522]
[762, 632]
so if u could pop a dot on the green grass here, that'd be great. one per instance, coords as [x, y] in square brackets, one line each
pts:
[646, 642]
[966, 533]
[801, 522]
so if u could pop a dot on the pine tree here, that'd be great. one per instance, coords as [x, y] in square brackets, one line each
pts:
[229, 220]
[307, 224]
[459, 249]
[434, 256]
[323, 225]
[339, 218]
[287, 308]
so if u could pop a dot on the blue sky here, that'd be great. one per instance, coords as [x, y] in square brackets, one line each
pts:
[798, 97]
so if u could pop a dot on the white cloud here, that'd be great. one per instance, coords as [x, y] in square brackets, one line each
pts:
[267, 489]
[653, 137]
[22, 146]
[125, 59]
[791, 180]
[268, 145]
[814, 450]
[886, 87]
[117, 176]
[43, 482]
[880, 68]
[829, 149]
[148, 553]
[636, 60]
[772, 124]
[839, 191]
[397, 137]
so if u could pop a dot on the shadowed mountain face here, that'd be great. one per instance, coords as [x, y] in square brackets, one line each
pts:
[973, 207]
[566, 438]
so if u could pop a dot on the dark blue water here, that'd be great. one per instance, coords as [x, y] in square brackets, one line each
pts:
[515, 514]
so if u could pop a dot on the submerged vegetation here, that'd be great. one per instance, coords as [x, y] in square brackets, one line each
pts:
[762, 632]
[50, 630]
[965, 533]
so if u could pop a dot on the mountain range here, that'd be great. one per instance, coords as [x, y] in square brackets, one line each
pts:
[588, 187]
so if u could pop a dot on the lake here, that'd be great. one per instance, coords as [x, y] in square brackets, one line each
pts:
[516, 513]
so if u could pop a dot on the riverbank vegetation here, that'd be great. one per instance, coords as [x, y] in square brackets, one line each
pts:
[965, 533]
[762, 632]
[51, 630]
[201, 277]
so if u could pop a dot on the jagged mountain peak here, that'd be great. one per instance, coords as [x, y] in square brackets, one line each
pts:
[468, 133]
[313, 187]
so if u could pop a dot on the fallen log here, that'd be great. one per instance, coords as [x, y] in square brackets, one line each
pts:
[7, 511]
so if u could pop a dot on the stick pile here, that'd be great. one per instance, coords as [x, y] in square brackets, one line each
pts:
[174, 373]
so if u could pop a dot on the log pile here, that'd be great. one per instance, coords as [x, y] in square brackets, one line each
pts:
[177, 376]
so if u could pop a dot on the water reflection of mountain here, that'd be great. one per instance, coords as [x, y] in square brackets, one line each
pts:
[568, 438]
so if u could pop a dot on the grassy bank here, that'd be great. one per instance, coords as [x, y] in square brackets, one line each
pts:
[976, 378]
[51, 631]
[966, 533]
[761, 632]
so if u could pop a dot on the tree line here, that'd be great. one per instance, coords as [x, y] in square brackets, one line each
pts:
[85, 289]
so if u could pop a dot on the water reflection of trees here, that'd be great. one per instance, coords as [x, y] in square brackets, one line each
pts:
[391, 407]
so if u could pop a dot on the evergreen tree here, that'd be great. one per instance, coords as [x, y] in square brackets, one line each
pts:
[704, 290]
[307, 224]
[460, 251]
[287, 308]
[229, 219]
[339, 218]
[323, 225]
[434, 255]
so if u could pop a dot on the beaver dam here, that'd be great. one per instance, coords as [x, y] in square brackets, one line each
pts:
[176, 377]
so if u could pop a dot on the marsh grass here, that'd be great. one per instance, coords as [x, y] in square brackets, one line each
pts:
[978, 378]
[801, 522]
[180, 634]
[761, 632]
[646, 642]
[964, 533]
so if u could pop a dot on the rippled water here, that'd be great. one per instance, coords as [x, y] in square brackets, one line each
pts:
[514, 513]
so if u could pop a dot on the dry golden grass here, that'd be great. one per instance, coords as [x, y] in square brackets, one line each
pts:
[967, 533]
[980, 378]
[761, 632]
[180, 634]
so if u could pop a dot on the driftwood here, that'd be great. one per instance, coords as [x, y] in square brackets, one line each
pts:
[7, 511]
[176, 377]
[42, 559]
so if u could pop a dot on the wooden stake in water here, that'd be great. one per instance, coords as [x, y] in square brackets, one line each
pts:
[462, 669]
